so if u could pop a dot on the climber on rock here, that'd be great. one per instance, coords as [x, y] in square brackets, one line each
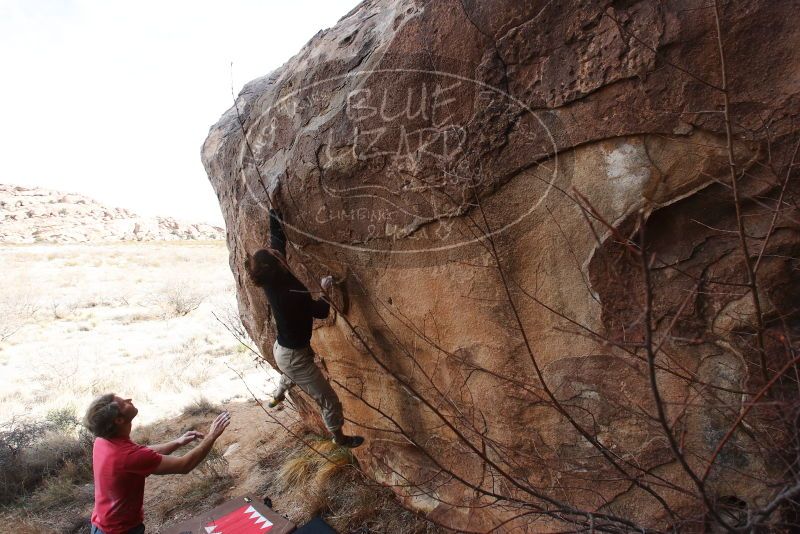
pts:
[294, 311]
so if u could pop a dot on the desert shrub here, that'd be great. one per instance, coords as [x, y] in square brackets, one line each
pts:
[60, 504]
[127, 319]
[179, 299]
[214, 466]
[144, 435]
[62, 420]
[63, 310]
[16, 311]
[33, 452]
[201, 406]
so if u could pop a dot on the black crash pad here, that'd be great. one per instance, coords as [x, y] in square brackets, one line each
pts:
[315, 526]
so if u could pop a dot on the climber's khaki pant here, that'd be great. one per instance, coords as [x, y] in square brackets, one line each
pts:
[298, 367]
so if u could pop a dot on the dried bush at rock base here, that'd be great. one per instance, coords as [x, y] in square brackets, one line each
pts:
[32, 452]
[321, 478]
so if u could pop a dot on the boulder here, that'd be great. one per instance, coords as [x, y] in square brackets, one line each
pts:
[482, 176]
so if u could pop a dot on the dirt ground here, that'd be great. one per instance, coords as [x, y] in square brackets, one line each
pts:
[151, 321]
[232, 469]
[256, 455]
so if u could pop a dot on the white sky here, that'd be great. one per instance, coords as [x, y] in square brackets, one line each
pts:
[113, 99]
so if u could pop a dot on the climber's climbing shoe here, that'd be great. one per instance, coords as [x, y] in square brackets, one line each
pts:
[351, 442]
[275, 401]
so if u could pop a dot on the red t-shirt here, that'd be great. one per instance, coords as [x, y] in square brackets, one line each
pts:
[120, 467]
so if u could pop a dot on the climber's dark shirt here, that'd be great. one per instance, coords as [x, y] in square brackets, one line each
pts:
[292, 306]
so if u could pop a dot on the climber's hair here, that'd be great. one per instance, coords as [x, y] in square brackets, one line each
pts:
[263, 268]
[100, 416]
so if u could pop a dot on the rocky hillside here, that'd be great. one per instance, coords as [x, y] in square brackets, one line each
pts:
[35, 215]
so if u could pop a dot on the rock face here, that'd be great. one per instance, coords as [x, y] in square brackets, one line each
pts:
[35, 215]
[417, 145]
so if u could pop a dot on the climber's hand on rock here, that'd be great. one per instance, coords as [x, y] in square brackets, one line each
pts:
[326, 283]
[274, 187]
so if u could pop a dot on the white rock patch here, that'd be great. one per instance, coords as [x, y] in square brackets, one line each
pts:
[628, 170]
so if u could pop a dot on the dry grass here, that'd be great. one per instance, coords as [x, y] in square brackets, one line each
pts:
[249, 458]
[45, 469]
[64, 489]
[203, 489]
[16, 311]
[312, 467]
[356, 504]
[72, 312]
[34, 452]
[324, 480]
[179, 298]
[201, 406]
[85, 309]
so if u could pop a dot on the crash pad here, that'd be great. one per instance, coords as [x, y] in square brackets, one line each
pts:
[242, 515]
[315, 526]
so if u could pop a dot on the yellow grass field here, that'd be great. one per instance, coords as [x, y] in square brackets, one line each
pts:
[131, 318]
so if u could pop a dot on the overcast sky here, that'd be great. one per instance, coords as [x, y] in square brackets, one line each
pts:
[113, 99]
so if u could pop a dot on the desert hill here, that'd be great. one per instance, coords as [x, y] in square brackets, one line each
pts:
[36, 215]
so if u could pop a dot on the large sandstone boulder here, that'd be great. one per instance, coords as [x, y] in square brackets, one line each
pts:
[417, 145]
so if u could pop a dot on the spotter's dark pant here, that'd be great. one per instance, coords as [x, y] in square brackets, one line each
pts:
[135, 530]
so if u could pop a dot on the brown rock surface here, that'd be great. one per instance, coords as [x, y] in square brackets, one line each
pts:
[398, 135]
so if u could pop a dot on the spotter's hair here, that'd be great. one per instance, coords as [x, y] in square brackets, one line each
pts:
[100, 416]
